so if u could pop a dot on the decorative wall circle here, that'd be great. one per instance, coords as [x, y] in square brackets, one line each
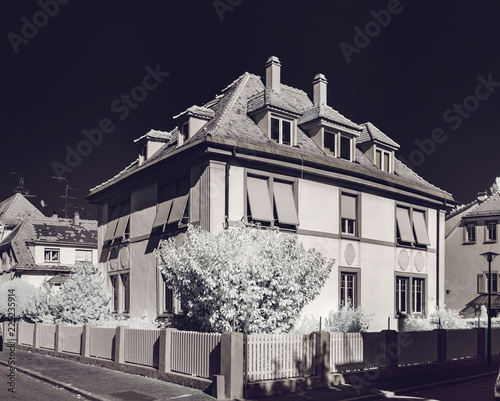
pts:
[124, 258]
[349, 254]
[403, 259]
[419, 261]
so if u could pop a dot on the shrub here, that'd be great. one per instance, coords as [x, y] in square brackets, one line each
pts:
[440, 318]
[22, 292]
[347, 319]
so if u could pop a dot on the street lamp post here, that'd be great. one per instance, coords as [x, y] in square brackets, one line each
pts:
[489, 257]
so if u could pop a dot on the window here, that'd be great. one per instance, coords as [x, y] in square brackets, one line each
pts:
[329, 142]
[118, 222]
[120, 286]
[411, 227]
[271, 201]
[348, 288]
[470, 233]
[349, 213]
[410, 300]
[345, 147]
[183, 134]
[82, 255]
[382, 160]
[482, 282]
[173, 204]
[51, 255]
[491, 231]
[281, 131]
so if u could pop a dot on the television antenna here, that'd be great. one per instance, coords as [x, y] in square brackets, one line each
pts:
[66, 195]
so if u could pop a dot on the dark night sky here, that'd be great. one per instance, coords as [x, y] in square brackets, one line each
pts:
[406, 80]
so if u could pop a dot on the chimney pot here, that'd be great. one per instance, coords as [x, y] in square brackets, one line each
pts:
[76, 219]
[319, 89]
[273, 74]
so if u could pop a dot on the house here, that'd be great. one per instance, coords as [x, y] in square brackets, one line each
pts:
[262, 151]
[470, 231]
[34, 247]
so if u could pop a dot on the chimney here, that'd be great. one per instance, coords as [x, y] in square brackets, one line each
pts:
[319, 89]
[76, 218]
[482, 196]
[273, 72]
[54, 215]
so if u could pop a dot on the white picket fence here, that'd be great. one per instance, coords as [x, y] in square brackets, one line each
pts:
[280, 356]
[195, 353]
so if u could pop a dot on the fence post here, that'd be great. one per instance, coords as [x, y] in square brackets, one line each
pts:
[19, 329]
[58, 344]
[86, 341]
[165, 358]
[231, 363]
[481, 342]
[392, 349]
[120, 344]
[322, 357]
[36, 336]
[442, 345]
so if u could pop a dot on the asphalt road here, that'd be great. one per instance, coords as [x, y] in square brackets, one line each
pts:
[29, 388]
[473, 390]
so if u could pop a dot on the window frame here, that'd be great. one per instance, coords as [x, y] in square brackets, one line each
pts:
[270, 181]
[487, 232]
[414, 243]
[281, 119]
[351, 146]
[120, 292]
[335, 144]
[58, 252]
[356, 274]
[484, 282]
[383, 153]
[87, 251]
[410, 297]
[470, 225]
[344, 222]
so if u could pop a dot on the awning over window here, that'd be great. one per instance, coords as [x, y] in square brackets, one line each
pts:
[420, 228]
[404, 225]
[112, 222]
[180, 201]
[285, 203]
[164, 206]
[348, 207]
[258, 198]
[123, 221]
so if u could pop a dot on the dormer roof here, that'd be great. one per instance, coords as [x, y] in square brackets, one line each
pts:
[197, 111]
[323, 111]
[156, 135]
[371, 133]
[269, 98]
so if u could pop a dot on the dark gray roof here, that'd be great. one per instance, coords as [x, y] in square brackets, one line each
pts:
[232, 125]
[490, 206]
[371, 133]
[16, 208]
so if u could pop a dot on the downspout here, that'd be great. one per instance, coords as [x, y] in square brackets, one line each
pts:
[438, 252]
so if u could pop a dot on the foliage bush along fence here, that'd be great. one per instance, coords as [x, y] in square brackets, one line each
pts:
[260, 362]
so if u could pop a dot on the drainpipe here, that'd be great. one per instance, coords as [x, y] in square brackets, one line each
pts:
[437, 252]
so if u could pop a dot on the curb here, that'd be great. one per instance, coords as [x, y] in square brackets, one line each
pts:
[423, 387]
[57, 383]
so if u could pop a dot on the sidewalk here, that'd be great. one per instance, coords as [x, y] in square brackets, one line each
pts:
[97, 383]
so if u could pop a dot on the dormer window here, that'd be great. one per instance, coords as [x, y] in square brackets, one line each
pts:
[281, 130]
[345, 147]
[184, 133]
[329, 143]
[383, 160]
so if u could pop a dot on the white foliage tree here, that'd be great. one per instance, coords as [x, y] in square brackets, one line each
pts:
[261, 278]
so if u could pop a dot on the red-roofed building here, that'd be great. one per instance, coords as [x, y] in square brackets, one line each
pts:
[264, 152]
[34, 247]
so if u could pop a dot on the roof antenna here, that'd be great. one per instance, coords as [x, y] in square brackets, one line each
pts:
[65, 196]
[19, 188]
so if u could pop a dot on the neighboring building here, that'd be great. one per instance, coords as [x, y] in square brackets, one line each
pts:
[34, 247]
[264, 152]
[470, 231]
